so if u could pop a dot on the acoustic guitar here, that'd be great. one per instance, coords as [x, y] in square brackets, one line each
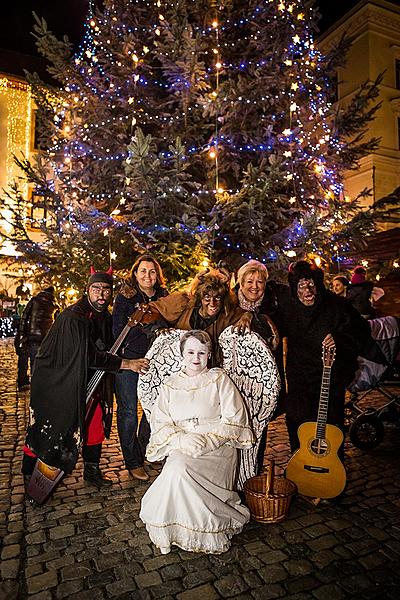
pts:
[315, 467]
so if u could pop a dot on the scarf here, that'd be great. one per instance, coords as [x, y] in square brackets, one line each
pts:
[248, 304]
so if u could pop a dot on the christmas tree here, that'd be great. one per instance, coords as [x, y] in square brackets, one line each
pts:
[197, 130]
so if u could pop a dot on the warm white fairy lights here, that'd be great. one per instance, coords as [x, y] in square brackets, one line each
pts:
[302, 142]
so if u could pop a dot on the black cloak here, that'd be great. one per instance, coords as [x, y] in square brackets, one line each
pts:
[305, 328]
[74, 347]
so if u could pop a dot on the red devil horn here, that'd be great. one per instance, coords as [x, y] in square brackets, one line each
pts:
[92, 270]
[110, 271]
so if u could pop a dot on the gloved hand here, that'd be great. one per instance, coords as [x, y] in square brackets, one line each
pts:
[214, 442]
[189, 443]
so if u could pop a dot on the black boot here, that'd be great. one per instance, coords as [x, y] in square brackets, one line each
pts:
[93, 474]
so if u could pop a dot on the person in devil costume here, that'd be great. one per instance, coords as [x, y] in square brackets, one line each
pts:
[74, 348]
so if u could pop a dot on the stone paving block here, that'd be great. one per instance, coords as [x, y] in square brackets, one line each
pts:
[129, 569]
[67, 588]
[315, 531]
[272, 557]
[323, 558]
[372, 560]
[357, 584]
[256, 548]
[196, 562]
[145, 580]
[58, 563]
[45, 595]
[273, 573]
[298, 567]
[93, 594]
[393, 546]
[331, 591]
[153, 564]
[9, 568]
[196, 578]
[302, 584]
[250, 563]
[268, 592]
[113, 547]
[12, 538]
[167, 589]
[338, 524]
[171, 572]
[43, 557]
[72, 572]
[10, 551]
[33, 570]
[15, 526]
[203, 592]
[107, 561]
[9, 590]
[120, 587]
[363, 546]
[296, 537]
[230, 586]
[310, 519]
[252, 579]
[101, 579]
[42, 582]
[323, 542]
[62, 531]
[276, 542]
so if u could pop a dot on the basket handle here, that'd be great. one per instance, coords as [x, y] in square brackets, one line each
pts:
[269, 489]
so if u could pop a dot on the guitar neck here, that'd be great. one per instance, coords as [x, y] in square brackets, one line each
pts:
[97, 377]
[323, 402]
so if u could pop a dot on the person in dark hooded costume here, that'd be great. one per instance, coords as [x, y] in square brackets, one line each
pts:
[312, 317]
[75, 347]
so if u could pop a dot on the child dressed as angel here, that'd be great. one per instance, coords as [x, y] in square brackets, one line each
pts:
[198, 422]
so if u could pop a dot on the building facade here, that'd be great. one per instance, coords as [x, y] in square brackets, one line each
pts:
[17, 139]
[374, 26]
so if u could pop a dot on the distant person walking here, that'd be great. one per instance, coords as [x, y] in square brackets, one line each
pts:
[35, 322]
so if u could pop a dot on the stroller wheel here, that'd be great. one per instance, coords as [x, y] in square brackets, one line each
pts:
[366, 432]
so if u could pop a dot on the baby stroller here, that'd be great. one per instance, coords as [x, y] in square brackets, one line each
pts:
[378, 372]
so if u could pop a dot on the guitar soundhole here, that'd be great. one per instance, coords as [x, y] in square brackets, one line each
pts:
[319, 446]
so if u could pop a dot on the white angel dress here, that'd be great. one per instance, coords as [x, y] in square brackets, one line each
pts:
[249, 363]
[192, 503]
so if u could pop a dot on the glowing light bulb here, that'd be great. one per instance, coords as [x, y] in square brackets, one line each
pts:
[214, 24]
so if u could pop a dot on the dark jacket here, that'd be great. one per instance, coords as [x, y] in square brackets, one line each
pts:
[359, 296]
[74, 348]
[37, 318]
[305, 328]
[126, 302]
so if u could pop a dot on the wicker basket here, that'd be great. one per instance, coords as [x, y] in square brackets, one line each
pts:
[268, 497]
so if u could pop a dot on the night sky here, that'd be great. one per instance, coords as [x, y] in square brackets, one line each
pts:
[67, 16]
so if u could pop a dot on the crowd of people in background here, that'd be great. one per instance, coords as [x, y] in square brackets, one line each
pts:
[66, 350]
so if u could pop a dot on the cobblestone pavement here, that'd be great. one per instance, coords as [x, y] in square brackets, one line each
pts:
[90, 545]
